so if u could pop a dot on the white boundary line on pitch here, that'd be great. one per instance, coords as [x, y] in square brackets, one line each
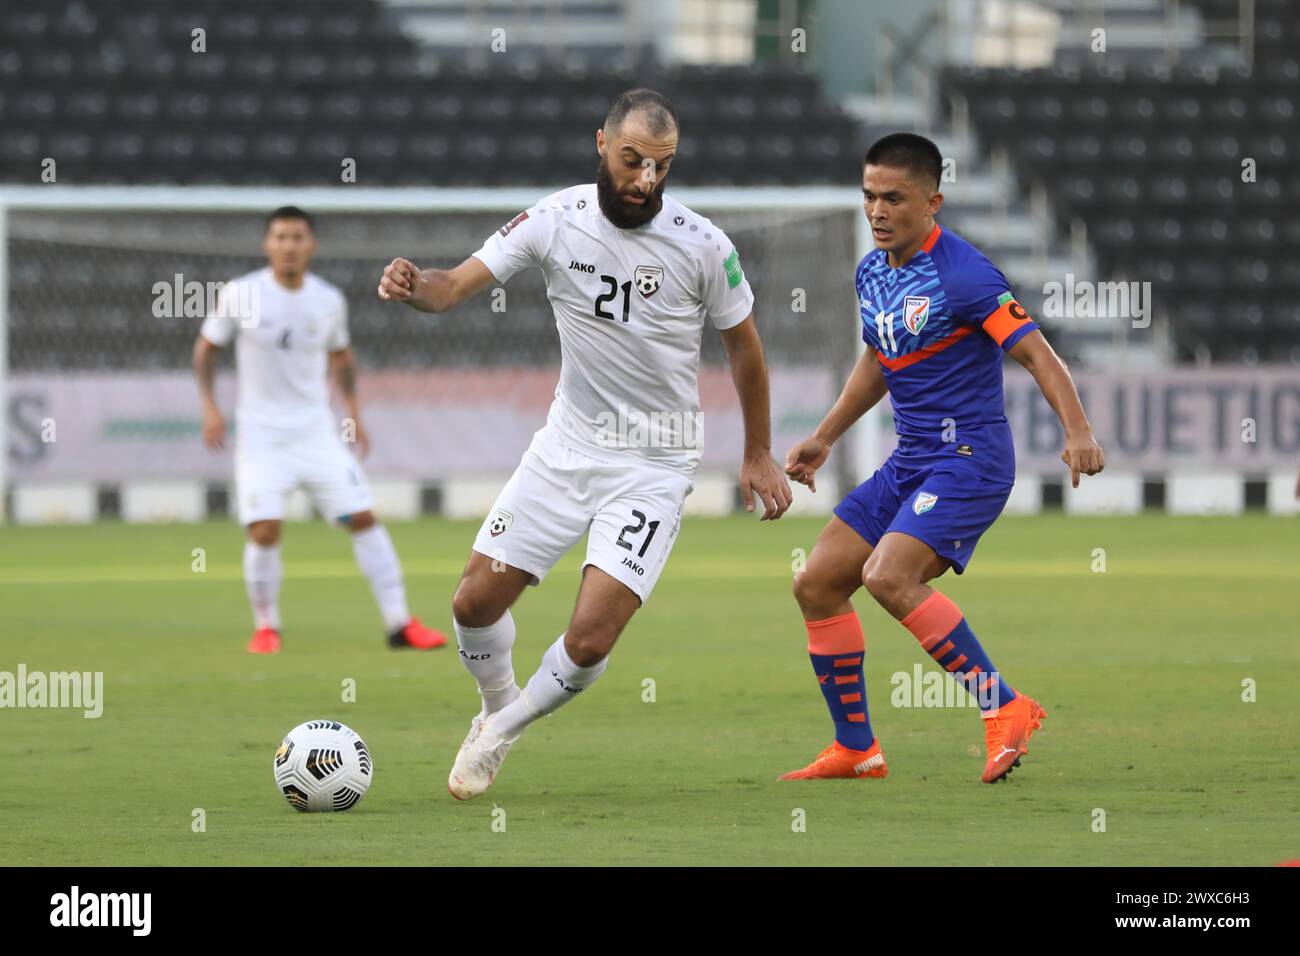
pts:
[694, 569]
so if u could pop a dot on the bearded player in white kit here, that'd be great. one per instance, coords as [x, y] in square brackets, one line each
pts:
[288, 327]
[632, 275]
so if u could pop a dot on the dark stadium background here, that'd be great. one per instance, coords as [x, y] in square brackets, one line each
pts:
[1089, 142]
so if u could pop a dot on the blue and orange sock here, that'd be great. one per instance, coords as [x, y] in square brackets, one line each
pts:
[836, 647]
[944, 634]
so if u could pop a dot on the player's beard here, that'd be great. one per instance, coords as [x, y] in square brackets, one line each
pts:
[622, 214]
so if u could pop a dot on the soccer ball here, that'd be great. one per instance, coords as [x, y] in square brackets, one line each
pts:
[323, 765]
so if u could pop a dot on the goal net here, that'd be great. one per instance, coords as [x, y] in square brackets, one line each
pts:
[102, 292]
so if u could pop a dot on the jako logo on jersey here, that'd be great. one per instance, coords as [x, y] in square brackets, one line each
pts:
[648, 279]
[501, 521]
[505, 230]
[581, 266]
[916, 309]
[924, 502]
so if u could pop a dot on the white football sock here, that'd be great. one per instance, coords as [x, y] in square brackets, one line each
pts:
[262, 574]
[377, 559]
[485, 652]
[556, 683]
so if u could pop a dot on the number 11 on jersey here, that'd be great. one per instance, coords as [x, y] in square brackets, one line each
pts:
[885, 330]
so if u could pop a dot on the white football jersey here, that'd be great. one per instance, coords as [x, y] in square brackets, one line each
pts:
[283, 337]
[630, 307]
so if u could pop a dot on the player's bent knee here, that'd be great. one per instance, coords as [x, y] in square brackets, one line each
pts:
[473, 605]
[359, 521]
[265, 534]
[818, 596]
[587, 647]
[809, 591]
[590, 638]
[883, 585]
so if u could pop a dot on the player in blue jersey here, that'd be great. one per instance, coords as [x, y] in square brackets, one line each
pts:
[937, 317]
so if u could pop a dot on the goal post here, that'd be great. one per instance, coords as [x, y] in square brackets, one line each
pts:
[103, 288]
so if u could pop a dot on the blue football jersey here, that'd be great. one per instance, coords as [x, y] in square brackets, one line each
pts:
[939, 325]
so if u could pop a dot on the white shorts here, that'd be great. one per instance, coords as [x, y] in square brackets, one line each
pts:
[268, 466]
[632, 510]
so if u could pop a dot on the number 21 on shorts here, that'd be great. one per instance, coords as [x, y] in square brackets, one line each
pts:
[635, 529]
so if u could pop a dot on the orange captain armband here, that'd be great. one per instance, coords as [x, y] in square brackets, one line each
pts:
[1009, 319]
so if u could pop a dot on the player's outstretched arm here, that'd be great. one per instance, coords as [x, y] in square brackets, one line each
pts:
[1082, 453]
[865, 387]
[433, 290]
[205, 372]
[343, 362]
[759, 473]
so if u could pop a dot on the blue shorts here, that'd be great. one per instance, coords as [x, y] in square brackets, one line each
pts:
[946, 505]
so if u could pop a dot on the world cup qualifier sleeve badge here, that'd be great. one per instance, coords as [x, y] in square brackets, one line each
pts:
[648, 279]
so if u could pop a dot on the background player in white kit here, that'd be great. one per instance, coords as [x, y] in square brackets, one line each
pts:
[287, 436]
[632, 275]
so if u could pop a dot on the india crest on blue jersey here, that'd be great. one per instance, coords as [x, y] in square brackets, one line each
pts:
[916, 309]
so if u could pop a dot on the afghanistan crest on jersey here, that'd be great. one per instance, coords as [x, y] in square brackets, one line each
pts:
[648, 279]
[916, 309]
[501, 522]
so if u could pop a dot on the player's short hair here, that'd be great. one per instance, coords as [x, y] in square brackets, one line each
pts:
[290, 212]
[653, 107]
[907, 151]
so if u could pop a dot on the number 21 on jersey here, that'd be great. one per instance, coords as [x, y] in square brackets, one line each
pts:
[609, 294]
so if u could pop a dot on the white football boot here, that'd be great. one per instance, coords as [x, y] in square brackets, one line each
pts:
[475, 726]
[477, 763]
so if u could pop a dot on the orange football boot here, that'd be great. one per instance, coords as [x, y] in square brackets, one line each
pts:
[1006, 736]
[266, 640]
[839, 761]
[418, 636]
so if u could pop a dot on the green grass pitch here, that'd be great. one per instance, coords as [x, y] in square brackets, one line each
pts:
[1140, 667]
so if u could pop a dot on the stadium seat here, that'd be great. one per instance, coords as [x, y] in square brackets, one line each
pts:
[1104, 136]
